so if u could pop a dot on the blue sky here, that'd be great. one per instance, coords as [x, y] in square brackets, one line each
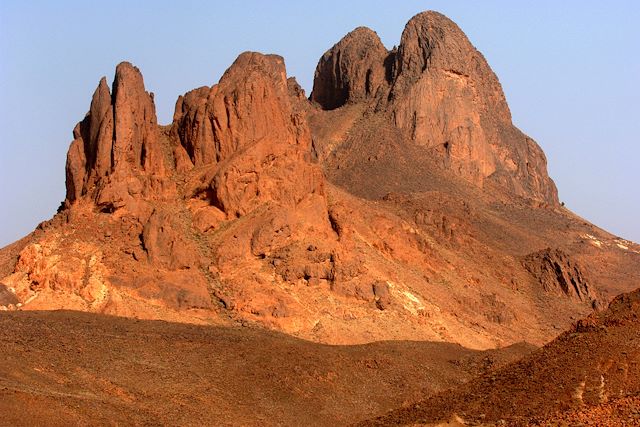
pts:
[570, 71]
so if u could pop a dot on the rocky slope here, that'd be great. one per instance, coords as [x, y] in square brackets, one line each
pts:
[593, 368]
[439, 91]
[69, 368]
[397, 202]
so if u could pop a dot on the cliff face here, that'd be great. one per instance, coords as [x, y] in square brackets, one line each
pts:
[351, 71]
[135, 236]
[440, 91]
[243, 131]
[398, 202]
[115, 157]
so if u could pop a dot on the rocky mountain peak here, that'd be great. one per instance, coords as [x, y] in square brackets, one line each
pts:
[351, 217]
[431, 41]
[439, 91]
[115, 154]
[352, 70]
[245, 132]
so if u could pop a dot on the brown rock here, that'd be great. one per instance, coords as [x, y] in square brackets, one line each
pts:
[443, 95]
[116, 154]
[382, 295]
[352, 70]
[559, 274]
[446, 97]
[296, 92]
[195, 128]
[166, 245]
[7, 297]
[228, 208]
[573, 380]
[258, 148]
[180, 290]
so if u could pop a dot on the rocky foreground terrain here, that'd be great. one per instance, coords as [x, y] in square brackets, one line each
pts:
[590, 374]
[396, 202]
[69, 368]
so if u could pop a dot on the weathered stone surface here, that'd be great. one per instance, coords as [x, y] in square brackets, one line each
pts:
[258, 147]
[76, 275]
[195, 129]
[559, 274]
[445, 95]
[440, 91]
[352, 70]
[296, 92]
[382, 295]
[167, 246]
[116, 155]
[226, 215]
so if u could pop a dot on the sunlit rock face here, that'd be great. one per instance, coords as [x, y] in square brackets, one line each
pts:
[440, 91]
[397, 202]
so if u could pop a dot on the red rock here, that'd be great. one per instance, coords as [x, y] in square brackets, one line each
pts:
[194, 127]
[227, 214]
[444, 96]
[352, 70]
[167, 246]
[256, 148]
[116, 154]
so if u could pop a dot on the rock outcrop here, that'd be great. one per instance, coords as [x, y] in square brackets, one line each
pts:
[227, 215]
[241, 148]
[353, 70]
[116, 157]
[558, 274]
[440, 91]
[254, 147]
[445, 95]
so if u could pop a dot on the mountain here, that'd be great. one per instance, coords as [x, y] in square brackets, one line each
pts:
[398, 201]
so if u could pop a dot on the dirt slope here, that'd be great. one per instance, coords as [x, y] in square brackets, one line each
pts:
[593, 368]
[72, 368]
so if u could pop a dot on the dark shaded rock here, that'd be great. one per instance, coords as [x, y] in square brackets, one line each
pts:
[382, 295]
[352, 70]
[559, 274]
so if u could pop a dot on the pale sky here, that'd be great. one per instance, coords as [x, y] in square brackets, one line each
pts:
[570, 71]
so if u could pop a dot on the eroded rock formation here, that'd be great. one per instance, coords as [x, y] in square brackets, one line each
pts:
[115, 157]
[397, 202]
[351, 71]
[244, 130]
[440, 91]
[558, 274]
